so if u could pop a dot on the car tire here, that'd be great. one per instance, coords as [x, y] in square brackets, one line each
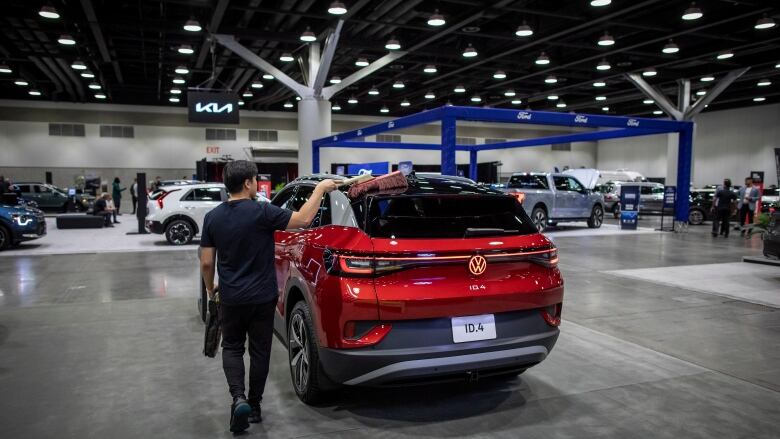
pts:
[203, 302]
[696, 217]
[305, 370]
[179, 232]
[539, 218]
[5, 238]
[596, 217]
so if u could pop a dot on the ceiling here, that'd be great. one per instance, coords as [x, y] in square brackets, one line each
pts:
[132, 49]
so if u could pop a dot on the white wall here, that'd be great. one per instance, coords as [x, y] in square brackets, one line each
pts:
[727, 144]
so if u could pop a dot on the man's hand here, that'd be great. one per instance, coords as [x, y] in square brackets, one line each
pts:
[210, 291]
[327, 185]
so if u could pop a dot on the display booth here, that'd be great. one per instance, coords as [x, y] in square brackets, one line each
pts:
[603, 127]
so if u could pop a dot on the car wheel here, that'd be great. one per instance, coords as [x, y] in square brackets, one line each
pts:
[304, 359]
[695, 217]
[539, 218]
[179, 232]
[203, 302]
[596, 217]
[5, 238]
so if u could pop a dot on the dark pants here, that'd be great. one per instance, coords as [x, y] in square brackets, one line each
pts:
[117, 203]
[721, 219]
[745, 211]
[237, 322]
[135, 203]
[106, 217]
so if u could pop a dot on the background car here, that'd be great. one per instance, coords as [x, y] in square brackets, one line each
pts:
[770, 200]
[50, 197]
[461, 264]
[651, 196]
[20, 223]
[552, 198]
[772, 237]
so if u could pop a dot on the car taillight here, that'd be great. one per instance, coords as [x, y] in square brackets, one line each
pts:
[520, 196]
[372, 336]
[360, 266]
[548, 258]
[552, 314]
[163, 195]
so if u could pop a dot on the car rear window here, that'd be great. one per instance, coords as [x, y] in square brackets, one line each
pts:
[528, 182]
[458, 216]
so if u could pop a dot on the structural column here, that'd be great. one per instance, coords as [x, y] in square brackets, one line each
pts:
[314, 122]
[448, 139]
[684, 160]
[473, 164]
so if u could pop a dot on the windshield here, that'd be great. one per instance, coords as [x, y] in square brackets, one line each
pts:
[528, 182]
[447, 217]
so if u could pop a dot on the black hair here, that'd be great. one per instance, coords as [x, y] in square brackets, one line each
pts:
[116, 179]
[727, 182]
[236, 173]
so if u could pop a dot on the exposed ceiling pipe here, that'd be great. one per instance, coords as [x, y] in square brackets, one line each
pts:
[68, 71]
[216, 20]
[52, 77]
[60, 76]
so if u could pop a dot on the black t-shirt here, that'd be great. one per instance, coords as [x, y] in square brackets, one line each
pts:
[723, 198]
[243, 233]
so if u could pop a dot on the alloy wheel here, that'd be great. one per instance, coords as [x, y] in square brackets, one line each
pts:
[695, 217]
[598, 216]
[299, 353]
[539, 220]
[179, 233]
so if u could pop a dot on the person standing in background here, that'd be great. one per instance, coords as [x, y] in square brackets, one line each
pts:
[746, 206]
[134, 193]
[722, 205]
[4, 185]
[111, 207]
[156, 183]
[116, 194]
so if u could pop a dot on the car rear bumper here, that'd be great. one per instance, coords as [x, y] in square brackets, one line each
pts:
[423, 351]
[155, 227]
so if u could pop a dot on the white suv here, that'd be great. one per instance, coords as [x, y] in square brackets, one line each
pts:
[178, 211]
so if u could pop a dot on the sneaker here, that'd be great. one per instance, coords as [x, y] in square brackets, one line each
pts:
[239, 414]
[256, 416]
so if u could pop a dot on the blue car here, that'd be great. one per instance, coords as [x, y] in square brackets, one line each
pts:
[20, 223]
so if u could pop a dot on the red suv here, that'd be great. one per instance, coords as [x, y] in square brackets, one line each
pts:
[447, 280]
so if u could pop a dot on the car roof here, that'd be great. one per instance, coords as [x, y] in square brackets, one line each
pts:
[422, 185]
[194, 185]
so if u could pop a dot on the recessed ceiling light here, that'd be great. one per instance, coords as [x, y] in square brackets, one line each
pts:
[476, 98]
[398, 84]
[606, 40]
[335, 80]
[78, 65]
[257, 84]
[175, 100]
[286, 57]
[66, 40]
[185, 49]
[658, 112]
[100, 96]
[374, 91]
[670, 48]
[599, 84]
[500, 74]
[384, 110]
[552, 97]
[524, 30]
[337, 8]
[765, 23]
[21, 83]
[764, 83]
[543, 59]
[725, 55]
[268, 76]
[336, 107]
[701, 92]
[182, 70]
[175, 91]
[308, 36]
[178, 80]
[604, 108]
[405, 103]
[192, 25]
[470, 52]
[430, 68]
[288, 104]
[759, 99]
[361, 62]
[707, 78]
[598, 3]
[49, 12]
[5, 69]
[649, 72]
[692, 13]
[509, 93]
[240, 103]
[87, 74]
[471, 29]
[603, 65]
[393, 44]
[517, 101]
[561, 104]
[94, 86]
[648, 101]
[550, 80]
[777, 66]
[430, 95]
[436, 19]
[459, 89]
[601, 98]
[246, 94]
[352, 100]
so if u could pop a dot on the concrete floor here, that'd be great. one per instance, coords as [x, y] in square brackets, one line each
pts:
[108, 345]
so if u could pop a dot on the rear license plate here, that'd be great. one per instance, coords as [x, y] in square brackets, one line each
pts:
[473, 328]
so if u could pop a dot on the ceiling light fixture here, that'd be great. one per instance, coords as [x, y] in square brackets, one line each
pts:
[725, 55]
[707, 78]
[94, 86]
[335, 80]
[606, 40]
[764, 83]
[430, 68]
[5, 69]
[78, 65]
[182, 70]
[670, 47]
[599, 84]
[175, 91]
[337, 8]
[246, 94]
[605, 109]
[101, 96]
[49, 12]
[552, 97]
[21, 83]
[352, 100]
[524, 30]
[286, 57]
[459, 89]
[500, 74]
[392, 44]
[436, 19]
[698, 93]
[543, 59]
[192, 25]
[658, 112]
[405, 103]
[648, 101]
[336, 107]
[550, 80]
[87, 74]
[517, 101]
[765, 23]
[374, 91]
[476, 98]
[509, 93]
[268, 76]
[649, 72]
[185, 49]
[398, 84]
[257, 84]
[470, 52]
[308, 36]
[759, 99]
[175, 100]
[288, 104]
[692, 13]
[361, 62]
[66, 40]
[601, 98]
[597, 3]
[34, 92]
[384, 110]
[603, 65]
[561, 104]
[240, 103]
[178, 80]
[430, 95]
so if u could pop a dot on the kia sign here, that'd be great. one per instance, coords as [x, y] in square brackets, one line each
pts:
[209, 107]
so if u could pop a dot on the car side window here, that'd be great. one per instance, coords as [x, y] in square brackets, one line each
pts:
[189, 197]
[37, 189]
[300, 197]
[208, 194]
[323, 217]
[24, 188]
[575, 185]
[646, 190]
[281, 199]
[560, 183]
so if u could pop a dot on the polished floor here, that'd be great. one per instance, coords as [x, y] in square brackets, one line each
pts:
[108, 345]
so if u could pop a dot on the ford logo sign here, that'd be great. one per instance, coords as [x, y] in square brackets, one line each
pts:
[524, 115]
[632, 123]
[390, 124]
[580, 119]
[360, 132]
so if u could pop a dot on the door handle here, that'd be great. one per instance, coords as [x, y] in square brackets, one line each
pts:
[189, 207]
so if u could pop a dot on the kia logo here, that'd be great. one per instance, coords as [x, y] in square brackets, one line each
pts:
[632, 123]
[580, 119]
[213, 107]
[524, 115]
[477, 265]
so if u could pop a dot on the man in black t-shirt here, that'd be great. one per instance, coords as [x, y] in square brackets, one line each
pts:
[239, 235]
[721, 203]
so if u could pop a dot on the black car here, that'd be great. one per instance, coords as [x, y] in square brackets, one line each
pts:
[772, 237]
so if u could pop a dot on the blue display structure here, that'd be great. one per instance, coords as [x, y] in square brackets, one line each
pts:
[376, 168]
[670, 196]
[629, 207]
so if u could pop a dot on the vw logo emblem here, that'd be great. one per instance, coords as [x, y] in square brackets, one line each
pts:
[477, 265]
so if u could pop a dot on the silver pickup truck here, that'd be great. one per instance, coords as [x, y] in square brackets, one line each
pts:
[552, 198]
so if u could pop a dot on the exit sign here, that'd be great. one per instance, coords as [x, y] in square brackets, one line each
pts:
[212, 150]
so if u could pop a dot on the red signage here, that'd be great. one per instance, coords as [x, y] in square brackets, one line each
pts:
[212, 150]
